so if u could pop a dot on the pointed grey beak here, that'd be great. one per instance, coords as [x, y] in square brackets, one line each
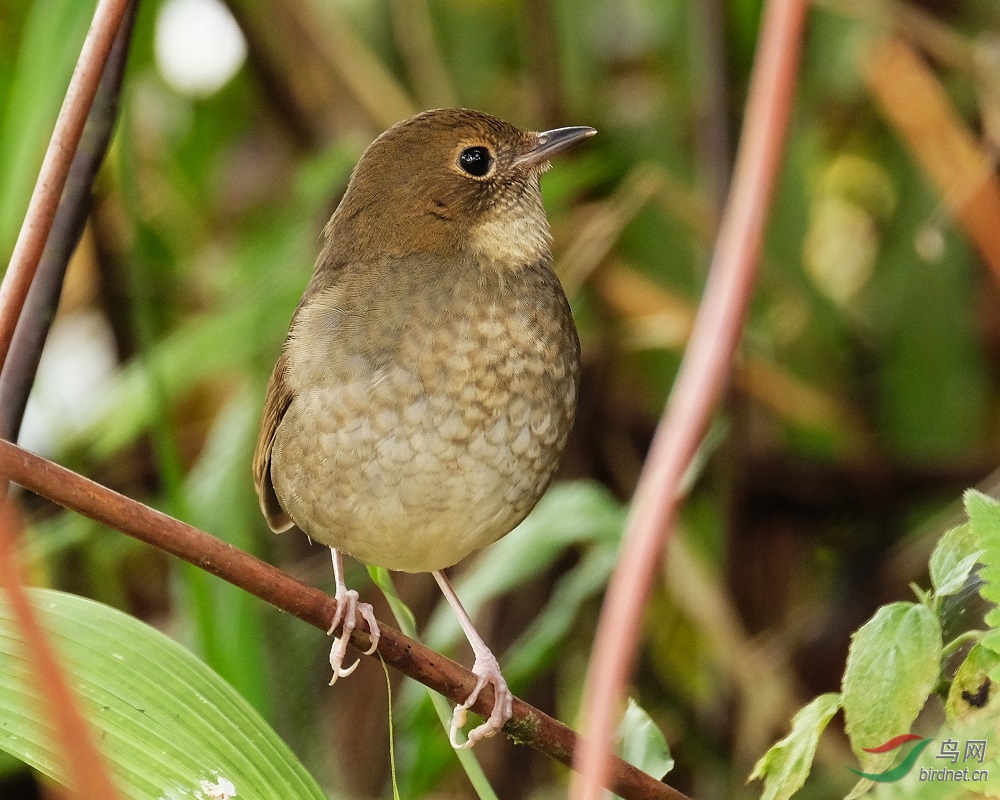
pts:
[551, 142]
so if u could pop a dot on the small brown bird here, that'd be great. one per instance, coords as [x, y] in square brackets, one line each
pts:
[429, 380]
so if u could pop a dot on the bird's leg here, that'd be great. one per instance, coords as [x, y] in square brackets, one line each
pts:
[486, 669]
[348, 608]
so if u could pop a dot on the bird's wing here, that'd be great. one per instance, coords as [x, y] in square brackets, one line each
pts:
[279, 397]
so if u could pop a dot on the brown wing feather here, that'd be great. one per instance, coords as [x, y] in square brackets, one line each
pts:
[279, 397]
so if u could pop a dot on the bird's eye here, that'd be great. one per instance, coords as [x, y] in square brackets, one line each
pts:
[475, 160]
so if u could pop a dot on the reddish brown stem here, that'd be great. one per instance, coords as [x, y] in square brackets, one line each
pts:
[55, 167]
[527, 726]
[698, 387]
[86, 770]
[35, 318]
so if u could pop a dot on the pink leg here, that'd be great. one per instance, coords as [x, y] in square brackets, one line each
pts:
[348, 609]
[486, 669]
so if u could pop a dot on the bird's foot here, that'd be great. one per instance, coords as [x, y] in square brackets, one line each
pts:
[487, 670]
[348, 609]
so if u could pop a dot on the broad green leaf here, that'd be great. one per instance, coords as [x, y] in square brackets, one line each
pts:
[892, 666]
[219, 498]
[167, 724]
[407, 624]
[48, 49]
[642, 744]
[785, 767]
[922, 418]
[539, 644]
[203, 348]
[404, 616]
[569, 514]
[953, 559]
[984, 519]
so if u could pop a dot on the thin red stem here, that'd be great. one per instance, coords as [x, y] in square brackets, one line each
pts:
[699, 385]
[86, 770]
[55, 166]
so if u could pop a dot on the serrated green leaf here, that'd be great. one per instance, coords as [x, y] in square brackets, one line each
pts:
[953, 559]
[167, 724]
[991, 640]
[984, 519]
[975, 694]
[785, 767]
[893, 665]
[642, 744]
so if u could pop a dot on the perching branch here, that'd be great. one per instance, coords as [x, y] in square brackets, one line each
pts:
[527, 726]
[698, 387]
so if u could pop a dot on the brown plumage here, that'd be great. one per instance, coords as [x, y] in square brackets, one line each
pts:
[429, 379]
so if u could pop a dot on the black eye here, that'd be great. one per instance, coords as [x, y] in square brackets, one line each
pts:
[475, 160]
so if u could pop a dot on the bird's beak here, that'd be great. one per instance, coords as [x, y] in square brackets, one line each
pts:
[548, 143]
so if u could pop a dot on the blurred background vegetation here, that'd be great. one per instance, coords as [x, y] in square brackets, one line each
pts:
[864, 400]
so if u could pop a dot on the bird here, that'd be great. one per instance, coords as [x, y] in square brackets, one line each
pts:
[428, 384]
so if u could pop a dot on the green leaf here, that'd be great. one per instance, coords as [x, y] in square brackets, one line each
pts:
[539, 644]
[975, 692]
[572, 514]
[642, 744]
[404, 616]
[167, 724]
[893, 665]
[49, 47]
[569, 514]
[984, 519]
[407, 624]
[202, 348]
[219, 498]
[953, 559]
[785, 767]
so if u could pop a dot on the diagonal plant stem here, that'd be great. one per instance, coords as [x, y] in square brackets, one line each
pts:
[86, 769]
[18, 371]
[527, 726]
[698, 387]
[55, 167]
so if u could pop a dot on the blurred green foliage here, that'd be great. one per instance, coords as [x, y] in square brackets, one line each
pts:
[864, 401]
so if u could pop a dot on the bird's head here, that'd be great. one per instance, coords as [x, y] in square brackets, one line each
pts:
[450, 182]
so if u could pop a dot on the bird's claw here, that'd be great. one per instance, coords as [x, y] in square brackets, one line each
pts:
[348, 608]
[487, 671]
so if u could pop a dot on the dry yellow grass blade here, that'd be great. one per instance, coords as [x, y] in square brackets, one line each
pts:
[656, 317]
[916, 104]
[593, 240]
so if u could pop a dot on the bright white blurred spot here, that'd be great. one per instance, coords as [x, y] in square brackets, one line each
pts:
[199, 46]
[76, 367]
[220, 789]
[929, 243]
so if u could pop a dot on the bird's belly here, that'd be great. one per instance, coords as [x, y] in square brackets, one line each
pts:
[413, 480]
